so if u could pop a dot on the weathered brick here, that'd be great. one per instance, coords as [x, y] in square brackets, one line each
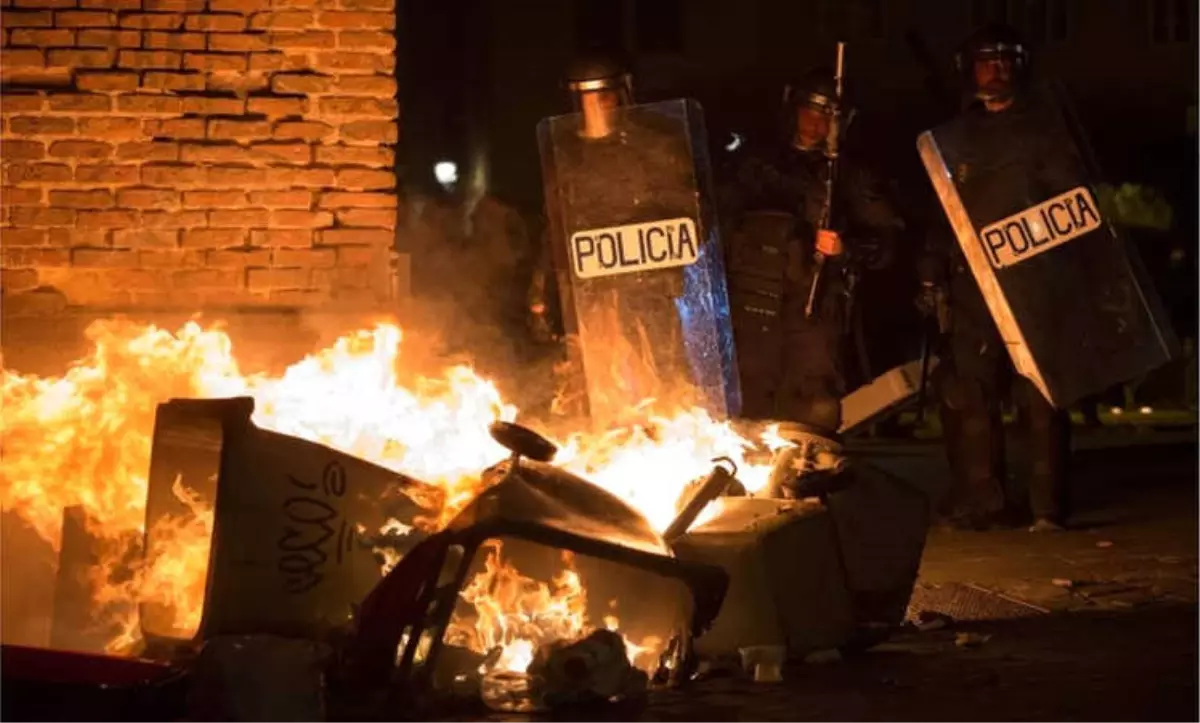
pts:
[361, 179]
[377, 86]
[207, 278]
[68, 58]
[282, 20]
[237, 258]
[355, 20]
[12, 60]
[378, 217]
[28, 19]
[146, 238]
[103, 258]
[137, 280]
[41, 126]
[109, 38]
[11, 150]
[293, 153]
[351, 61]
[356, 156]
[214, 199]
[175, 219]
[79, 103]
[340, 199]
[85, 19]
[240, 84]
[172, 175]
[309, 40]
[275, 107]
[185, 6]
[22, 103]
[111, 128]
[237, 177]
[43, 38]
[304, 131]
[274, 278]
[308, 177]
[275, 237]
[171, 258]
[366, 40]
[238, 129]
[215, 237]
[238, 6]
[11, 238]
[148, 151]
[277, 61]
[20, 196]
[36, 173]
[152, 21]
[283, 219]
[388, 5]
[13, 281]
[151, 104]
[238, 218]
[41, 216]
[216, 23]
[110, 4]
[83, 234]
[301, 83]
[107, 173]
[349, 255]
[374, 131]
[306, 258]
[148, 198]
[26, 256]
[216, 62]
[338, 236]
[118, 81]
[209, 153]
[173, 81]
[177, 128]
[214, 106]
[45, 3]
[368, 107]
[145, 59]
[120, 218]
[238, 43]
[80, 149]
[161, 40]
[82, 199]
[282, 199]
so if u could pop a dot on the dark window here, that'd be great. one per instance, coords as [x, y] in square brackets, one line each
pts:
[600, 26]
[1183, 20]
[658, 26]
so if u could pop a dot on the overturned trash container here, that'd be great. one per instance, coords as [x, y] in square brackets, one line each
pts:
[545, 592]
[826, 558]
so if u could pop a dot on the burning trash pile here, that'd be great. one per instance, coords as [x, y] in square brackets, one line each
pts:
[403, 517]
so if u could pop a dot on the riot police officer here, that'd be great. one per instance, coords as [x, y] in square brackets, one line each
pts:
[613, 168]
[977, 373]
[790, 354]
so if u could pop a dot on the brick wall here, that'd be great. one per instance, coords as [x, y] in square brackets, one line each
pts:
[196, 154]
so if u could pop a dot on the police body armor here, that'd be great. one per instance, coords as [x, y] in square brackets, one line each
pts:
[1068, 294]
[638, 260]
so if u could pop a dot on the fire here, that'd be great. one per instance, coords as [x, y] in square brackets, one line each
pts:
[84, 439]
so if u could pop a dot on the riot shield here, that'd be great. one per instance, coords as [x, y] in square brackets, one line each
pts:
[638, 261]
[1068, 294]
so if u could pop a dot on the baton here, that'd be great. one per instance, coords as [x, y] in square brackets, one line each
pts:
[831, 154]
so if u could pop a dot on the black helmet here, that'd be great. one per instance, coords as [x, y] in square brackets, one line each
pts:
[817, 89]
[996, 40]
[599, 72]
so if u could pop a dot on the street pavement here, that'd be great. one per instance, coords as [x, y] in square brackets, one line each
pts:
[1095, 623]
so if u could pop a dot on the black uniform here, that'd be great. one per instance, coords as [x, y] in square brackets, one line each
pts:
[792, 366]
[976, 373]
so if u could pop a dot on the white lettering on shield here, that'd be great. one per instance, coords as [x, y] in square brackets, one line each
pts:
[1040, 228]
[637, 247]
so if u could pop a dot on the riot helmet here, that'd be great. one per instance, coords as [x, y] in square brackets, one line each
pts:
[599, 85]
[993, 63]
[809, 109]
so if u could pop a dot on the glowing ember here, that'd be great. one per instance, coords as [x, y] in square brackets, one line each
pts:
[84, 438]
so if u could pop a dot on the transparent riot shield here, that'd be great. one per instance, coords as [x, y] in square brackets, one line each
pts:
[1069, 295]
[638, 261]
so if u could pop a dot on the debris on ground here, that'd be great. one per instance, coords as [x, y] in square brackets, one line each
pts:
[1063, 583]
[929, 620]
[1104, 544]
[819, 657]
[971, 640]
[765, 662]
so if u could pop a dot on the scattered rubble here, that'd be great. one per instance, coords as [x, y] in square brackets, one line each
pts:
[971, 640]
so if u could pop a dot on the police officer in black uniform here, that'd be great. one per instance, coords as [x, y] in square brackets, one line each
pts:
[791, 362]
[976, 373]
[612, 170]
